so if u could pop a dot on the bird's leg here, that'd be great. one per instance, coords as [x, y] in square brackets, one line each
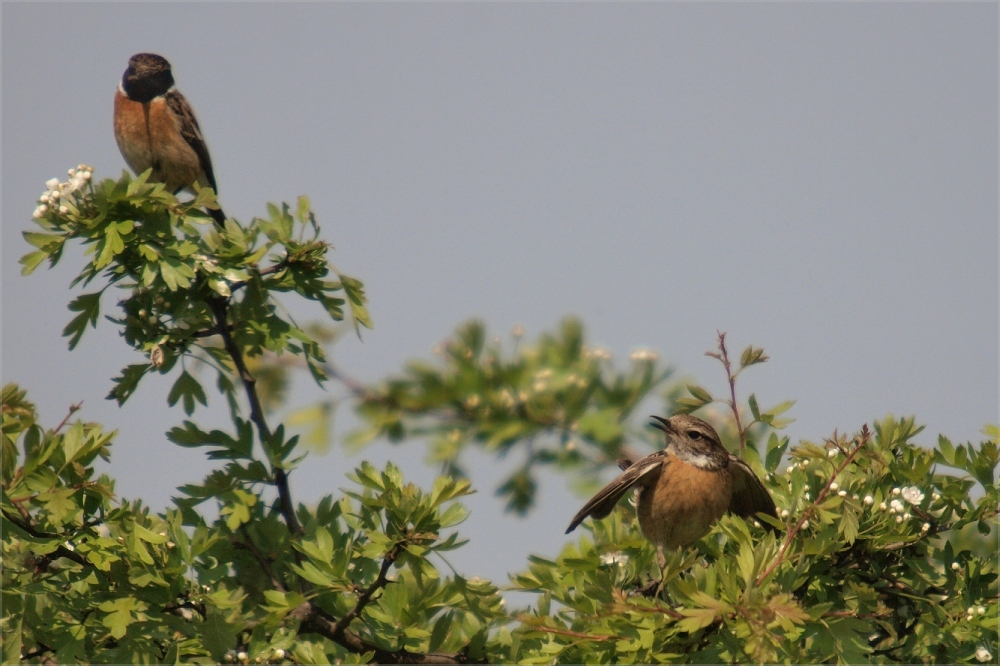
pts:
[653, 587]
[661, 561]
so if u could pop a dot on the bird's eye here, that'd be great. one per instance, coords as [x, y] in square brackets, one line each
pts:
[694, 434]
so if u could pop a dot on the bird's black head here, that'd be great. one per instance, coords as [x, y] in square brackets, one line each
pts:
[148, 76]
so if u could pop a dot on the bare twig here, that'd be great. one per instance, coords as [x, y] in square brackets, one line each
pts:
[731, 378]
[73, 409]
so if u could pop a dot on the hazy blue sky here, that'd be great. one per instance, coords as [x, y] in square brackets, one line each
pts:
[820, 180]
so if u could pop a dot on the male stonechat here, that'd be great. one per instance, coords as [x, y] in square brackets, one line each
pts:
[155, 128]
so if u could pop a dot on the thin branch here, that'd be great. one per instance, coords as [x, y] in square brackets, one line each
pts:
[732, 390]
[73, 409]
[220, 309]
[565, 632]
[865, 436]
[262, 561]
[380, 581]
[317, 621]
[276, 268]
[60, 551]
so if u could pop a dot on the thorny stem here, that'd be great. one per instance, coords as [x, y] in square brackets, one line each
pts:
[220, 309]
[732, 390]
[865, 436]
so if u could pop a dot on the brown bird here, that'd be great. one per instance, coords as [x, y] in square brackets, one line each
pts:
[155, 128]
[684, 488]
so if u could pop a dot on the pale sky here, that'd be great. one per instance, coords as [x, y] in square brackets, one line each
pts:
[816, 179]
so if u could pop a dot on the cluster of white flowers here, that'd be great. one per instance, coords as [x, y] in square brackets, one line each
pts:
[56, 193]
[898, 509]
[644, 354]
[541, 380]
[615, 557]
[598, 353]
[973, 611]
[507, 398]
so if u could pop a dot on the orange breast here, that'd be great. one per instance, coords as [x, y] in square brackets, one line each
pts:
[148, 136]
[683, 504]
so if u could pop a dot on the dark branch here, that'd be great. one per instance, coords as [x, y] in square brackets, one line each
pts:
[60, 551]
[220, 308]
[380, 581]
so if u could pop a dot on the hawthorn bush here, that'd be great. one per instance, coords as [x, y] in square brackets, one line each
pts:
[886, 549]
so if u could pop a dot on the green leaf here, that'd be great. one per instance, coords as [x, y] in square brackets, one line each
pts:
[126, 383]
[188, 388]
[751, 356]
[218, 636]
[89, 307]
[111, 246]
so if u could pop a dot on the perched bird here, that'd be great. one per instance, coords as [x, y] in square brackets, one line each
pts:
[684, 488]
[155, 127]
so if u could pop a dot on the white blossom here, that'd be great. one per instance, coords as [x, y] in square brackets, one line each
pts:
[832, 453]
[834, 486]
[926, 527]
[615, 557]
[895, 491]
[982, 654]
[842, 493]
[644, 354]
[955, 566]
[52, 184]
[912, 495]
[869, 500]
[897, 505]
[784, 513]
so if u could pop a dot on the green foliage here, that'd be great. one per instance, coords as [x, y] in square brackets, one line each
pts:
[178, 269]
[559, 402]
[865, 569]
[886, 550]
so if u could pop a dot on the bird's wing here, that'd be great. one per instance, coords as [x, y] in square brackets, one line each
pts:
[192, 133]
[601, 504]
[750, 497]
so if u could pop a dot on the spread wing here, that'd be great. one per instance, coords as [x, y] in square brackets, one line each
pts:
[192, 133]
[750, 497]
[601, 504]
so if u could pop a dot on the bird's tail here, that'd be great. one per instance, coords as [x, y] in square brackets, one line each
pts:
[218, 216]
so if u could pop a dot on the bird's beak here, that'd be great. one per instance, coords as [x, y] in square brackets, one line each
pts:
[662, 424]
